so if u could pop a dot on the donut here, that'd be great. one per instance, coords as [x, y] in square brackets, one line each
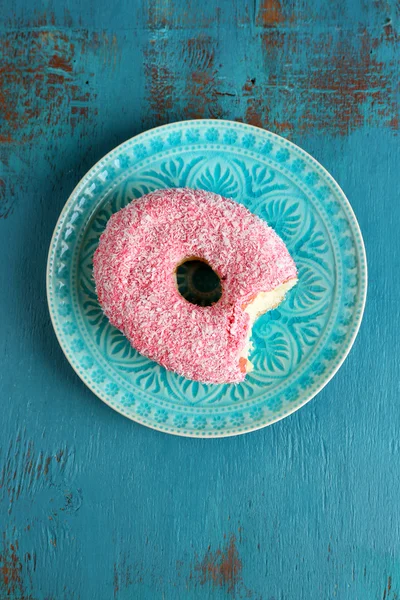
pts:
[135, 267]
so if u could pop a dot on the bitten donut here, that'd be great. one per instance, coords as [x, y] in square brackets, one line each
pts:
[135, 274]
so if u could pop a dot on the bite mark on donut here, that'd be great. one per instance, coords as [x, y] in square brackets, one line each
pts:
[257, 306]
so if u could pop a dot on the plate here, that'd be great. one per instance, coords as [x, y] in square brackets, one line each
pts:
[298, 347]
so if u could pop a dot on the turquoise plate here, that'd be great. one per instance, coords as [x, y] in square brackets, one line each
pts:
[298, 347]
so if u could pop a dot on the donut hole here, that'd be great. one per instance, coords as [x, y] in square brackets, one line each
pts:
[198, 283]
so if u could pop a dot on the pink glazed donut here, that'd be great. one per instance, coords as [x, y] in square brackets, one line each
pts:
[135, 273]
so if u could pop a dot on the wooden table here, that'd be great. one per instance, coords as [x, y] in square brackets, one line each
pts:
[93, 506]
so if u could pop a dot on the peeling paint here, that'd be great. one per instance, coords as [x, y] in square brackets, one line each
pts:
[60, 62]
[201, 98]
[24, 471]
[345, 84]
[44, 82]
[296, 81]
[125, 575]
[159, 14]
[222, 569]
[32, 96]
[269, 13]
[387, 590]
[159, 83]
[6, 198]
[11, 580]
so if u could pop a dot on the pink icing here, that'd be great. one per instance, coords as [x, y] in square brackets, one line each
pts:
[134, 271]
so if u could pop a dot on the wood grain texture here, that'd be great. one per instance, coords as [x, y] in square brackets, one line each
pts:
[93, 506]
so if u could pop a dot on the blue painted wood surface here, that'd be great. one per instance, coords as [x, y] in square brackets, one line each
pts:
[93, 506]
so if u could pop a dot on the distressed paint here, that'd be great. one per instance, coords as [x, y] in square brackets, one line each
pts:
[222, 568]
[94, 506]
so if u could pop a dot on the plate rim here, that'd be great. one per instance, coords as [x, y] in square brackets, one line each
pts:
[357, 323]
